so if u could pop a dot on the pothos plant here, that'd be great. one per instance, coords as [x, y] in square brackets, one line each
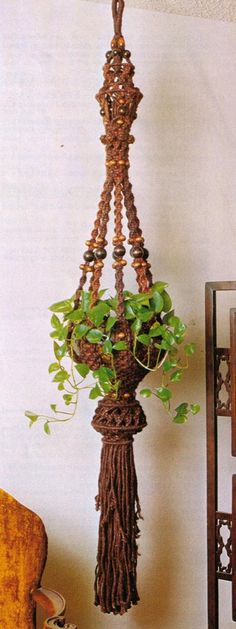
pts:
[153, 324]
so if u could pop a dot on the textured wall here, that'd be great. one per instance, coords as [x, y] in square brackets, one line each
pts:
[213, 9]
[52, 169]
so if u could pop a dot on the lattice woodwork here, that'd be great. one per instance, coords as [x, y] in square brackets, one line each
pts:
[223, 386]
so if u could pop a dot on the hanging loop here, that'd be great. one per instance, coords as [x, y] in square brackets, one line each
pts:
[117, 12]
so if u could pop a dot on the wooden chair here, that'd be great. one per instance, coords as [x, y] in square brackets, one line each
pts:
[23, 552]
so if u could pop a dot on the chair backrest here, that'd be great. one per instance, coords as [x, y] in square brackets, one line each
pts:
[23, 552]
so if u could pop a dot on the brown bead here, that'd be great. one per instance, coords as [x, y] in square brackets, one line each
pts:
[119, 263]
[101, 241]
[121, 110]
[88, 255]
[136, 252]
[98, 264]
[118, 252]
[126, 395]
[100, 253]
[145, 253]
[102, 112]
[120, 335]
[116, 239]
[127, 54]
[121, 42]
[89, 243]
[136, 264]
[86, 267]
[135, 239]
[120, 121]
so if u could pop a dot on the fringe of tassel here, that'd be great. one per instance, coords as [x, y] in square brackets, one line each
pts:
[118, 502]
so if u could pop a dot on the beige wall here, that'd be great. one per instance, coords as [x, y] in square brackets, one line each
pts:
[52, 168]
[210, 9]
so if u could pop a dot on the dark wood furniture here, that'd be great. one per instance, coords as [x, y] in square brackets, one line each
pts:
[221, 402]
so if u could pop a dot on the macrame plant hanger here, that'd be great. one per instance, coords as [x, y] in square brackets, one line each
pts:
[119, 418]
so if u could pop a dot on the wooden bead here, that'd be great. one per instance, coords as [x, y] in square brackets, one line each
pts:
[145, 253]
[101, 241]
[120, 121]
[98, 264]
[126, 395]
[117, 239]
[119, 263]
[121, 42]
[136, 264]
[86, 267]
[120, 335]
[89, 243]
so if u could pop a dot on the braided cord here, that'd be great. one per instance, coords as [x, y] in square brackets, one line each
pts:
[117, 12]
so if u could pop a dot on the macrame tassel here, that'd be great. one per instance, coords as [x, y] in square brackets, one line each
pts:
[115, 583]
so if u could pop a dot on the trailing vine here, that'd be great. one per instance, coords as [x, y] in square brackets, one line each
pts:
[153, 323]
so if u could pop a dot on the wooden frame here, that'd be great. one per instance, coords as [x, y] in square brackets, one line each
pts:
[215, 356]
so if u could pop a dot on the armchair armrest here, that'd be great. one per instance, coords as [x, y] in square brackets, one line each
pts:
[54, 605]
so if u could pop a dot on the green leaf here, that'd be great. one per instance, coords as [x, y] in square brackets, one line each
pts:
[163, 394]
[54, 334]
[129, 312]
[53, 367]
[177, 376]
[55, 322]
[81, 330]
[75, 315]
[190, 349]
[67, 397]
[169, 364]
[146, 392]
[61, 386]
[61, 376]
[53, 407]
[136, 326]
[155, 330]
[32, 416]
[167, 302]
[82, 369]
[110, 322]
[98, 312]
[62, 306]
[94, 336]
[104, 374]
[59, 350]
[120, 345]
[157, 302]
[46, 428]
[195, 408]
[63, 333]
[95, 392]
[107, 347]
[182, 409]
[85, 300]
[144, 339]
[167, 316]
[102, 292]
[180, 419]
[107, 386]
[159, 286]
[144, 314]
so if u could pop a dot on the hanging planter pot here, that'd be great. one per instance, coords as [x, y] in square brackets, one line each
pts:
[117, 340]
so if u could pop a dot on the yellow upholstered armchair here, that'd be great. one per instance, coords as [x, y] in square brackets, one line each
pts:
[23, 552]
